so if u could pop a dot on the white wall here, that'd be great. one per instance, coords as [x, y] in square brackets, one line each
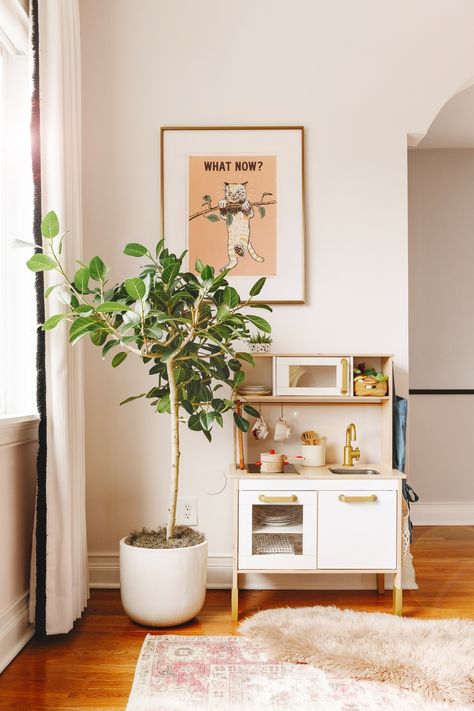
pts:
[17, 496]
[441, 258]
[359, 77]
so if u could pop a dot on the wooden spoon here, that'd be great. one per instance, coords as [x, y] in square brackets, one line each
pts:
[309, 437]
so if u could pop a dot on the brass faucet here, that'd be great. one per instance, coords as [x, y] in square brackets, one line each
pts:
[349, 452]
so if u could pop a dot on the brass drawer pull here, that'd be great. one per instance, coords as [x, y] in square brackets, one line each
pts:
[345, 374]
[278, 499]
[357, 499]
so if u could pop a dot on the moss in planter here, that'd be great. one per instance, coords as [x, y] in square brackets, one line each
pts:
[184, 537]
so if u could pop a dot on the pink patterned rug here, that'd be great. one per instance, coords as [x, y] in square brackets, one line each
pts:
[180, 673]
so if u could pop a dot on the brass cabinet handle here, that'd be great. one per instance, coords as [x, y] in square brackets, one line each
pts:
[357, 499]
[345, 374]
[278, 499]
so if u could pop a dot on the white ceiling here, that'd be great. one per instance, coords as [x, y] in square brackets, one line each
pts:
[453, 127]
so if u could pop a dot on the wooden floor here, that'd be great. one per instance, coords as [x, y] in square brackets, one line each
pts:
[93, 666]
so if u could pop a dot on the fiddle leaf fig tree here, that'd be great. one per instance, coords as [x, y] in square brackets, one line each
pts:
[181, 325]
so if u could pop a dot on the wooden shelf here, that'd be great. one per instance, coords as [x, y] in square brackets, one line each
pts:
[282, 530]
[323, 399]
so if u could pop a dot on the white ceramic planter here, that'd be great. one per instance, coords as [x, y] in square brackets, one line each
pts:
[162, 587]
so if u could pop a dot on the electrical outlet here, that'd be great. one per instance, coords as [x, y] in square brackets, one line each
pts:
[186, 513]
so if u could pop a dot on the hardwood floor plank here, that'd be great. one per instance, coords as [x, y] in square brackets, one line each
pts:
[92, 667]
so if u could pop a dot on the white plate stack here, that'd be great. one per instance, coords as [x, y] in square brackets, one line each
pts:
[254, 390]
[285, 518]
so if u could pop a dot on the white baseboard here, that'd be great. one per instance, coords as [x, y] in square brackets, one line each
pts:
[443, 514]
[15, 630]
[104, 573]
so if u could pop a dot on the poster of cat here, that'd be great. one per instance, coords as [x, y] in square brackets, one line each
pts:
[233, 197]
[232, 213]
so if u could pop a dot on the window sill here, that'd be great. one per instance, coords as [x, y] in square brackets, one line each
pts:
[18, 429]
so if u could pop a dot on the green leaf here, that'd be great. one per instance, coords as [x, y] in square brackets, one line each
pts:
[231, 297]
[258, 286]
[133, 249]
[194, 423]
[260, 323]
[199, 266]
[53, 321]
[81, 279]
[251, 411]
[98, 338]
[207, 198]
[234, 364]
[241, 422]
[219, 419]
[207, 272]
[50, 289]
[212, 218]
[261, 306]
[218, 404]
[229, 219]
[50, 225]
[110, 344]
[207, 418]
[97, 269]
[159, 247]
[133, 397]
[164, 404]
[261, 211]
[80, 327]
[245, 356]
[186, 405]
[40, 263]
[207, 435]
[170, 272]
[118, 358]
[135, 288]
[239, 378]
[222, 312]
[109, 306]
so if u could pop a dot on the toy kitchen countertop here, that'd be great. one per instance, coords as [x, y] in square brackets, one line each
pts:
[334, 472]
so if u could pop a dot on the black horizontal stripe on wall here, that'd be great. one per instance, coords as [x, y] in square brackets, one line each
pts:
[441, 391]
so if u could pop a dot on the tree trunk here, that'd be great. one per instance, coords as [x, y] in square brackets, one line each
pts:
[175, 454]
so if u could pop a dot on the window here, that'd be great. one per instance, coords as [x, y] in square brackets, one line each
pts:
[17, 294]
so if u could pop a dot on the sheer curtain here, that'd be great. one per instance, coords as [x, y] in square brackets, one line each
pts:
[61, 558]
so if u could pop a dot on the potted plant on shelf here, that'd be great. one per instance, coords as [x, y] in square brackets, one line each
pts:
[182, 326]
[260, 343]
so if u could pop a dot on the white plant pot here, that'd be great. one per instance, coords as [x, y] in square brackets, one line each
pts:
[162, 587]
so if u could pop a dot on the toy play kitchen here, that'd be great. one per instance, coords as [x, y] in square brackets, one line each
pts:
[299, 515]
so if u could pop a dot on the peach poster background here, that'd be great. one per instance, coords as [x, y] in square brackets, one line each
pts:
[208, 240]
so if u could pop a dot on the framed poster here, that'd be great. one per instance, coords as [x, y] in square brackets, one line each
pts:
[233, 197]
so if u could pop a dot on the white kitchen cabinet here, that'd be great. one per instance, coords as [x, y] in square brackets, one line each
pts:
[357, 529]
[313, 521]
[258, 537]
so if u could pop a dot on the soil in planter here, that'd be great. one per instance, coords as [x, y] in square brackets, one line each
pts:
[184, 537]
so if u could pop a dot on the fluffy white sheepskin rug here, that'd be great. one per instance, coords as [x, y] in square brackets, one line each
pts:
[434, 657]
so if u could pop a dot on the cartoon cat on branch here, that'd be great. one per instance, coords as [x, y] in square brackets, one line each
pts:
[237, 211]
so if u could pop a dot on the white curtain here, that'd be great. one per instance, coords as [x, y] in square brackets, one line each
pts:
[67, 588]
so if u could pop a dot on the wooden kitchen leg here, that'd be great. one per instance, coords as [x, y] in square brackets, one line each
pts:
[235, 596]
[397, 595]
[380, 583]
